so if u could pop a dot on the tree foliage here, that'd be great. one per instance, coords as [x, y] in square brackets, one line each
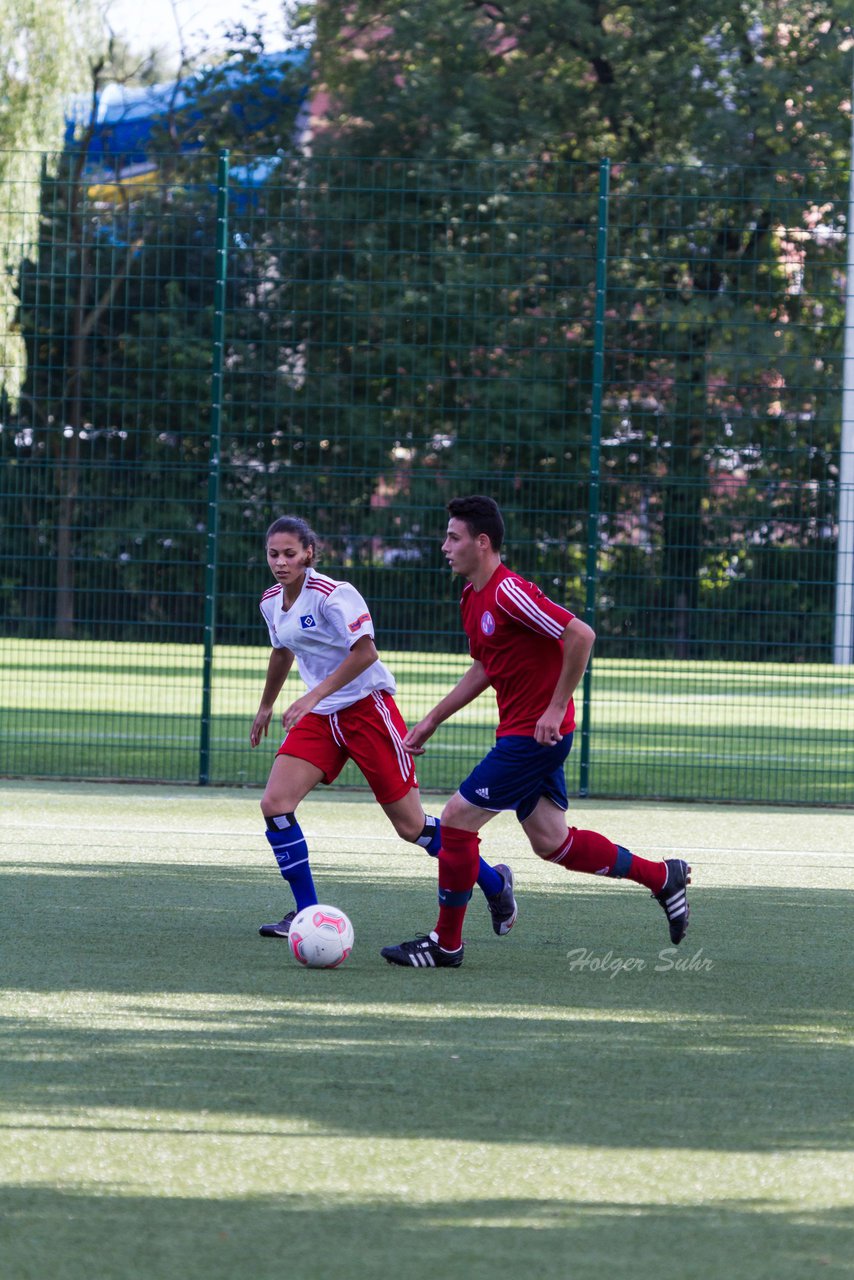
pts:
[43, 44]
[675, 82]
[411, 303]
[729, 126]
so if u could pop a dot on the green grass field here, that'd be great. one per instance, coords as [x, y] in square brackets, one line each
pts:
[181, 1099]
[758, 732]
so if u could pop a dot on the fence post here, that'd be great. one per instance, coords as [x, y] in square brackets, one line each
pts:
[595, 450]
[221, 267]
[843, 629]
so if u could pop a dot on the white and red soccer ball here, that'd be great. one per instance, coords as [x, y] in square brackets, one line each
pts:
[320, 937]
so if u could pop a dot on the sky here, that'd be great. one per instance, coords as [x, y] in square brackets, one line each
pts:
[152, 23]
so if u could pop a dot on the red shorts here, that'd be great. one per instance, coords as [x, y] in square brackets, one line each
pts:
[370, 733]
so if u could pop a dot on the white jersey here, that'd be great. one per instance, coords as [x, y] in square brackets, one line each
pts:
[320, 628]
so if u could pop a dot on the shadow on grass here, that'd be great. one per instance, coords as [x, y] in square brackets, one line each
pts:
[149, 988]
[70, 1235]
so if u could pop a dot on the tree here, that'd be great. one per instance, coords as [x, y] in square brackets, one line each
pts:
[410, 305]
[720, 99]
[43, 44]
[116, 308]
[665, 82]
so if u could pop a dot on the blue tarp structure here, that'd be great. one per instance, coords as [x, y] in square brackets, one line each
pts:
[126, 120]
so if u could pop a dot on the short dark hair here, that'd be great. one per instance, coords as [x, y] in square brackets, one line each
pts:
[480, 515]
[299, 528]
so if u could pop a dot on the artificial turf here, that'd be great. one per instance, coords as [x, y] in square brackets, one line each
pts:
[179, 1098]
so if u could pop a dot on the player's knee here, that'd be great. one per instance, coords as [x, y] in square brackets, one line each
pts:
[272, 804]
[540, 849]
[407, 827]
[545, 844]
[455, 811]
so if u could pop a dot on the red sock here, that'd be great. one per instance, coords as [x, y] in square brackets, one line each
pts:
[459, 859]
[597, 855]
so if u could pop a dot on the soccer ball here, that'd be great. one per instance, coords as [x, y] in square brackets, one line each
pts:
[320, 937]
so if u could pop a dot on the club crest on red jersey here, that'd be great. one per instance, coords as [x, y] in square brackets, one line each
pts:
[487, 623]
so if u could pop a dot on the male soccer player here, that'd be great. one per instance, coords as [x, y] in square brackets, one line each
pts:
[533, 652]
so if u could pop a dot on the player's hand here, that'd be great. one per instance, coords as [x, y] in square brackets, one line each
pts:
[295, 712]
[547, 730]
[260, 725]
[417, 736]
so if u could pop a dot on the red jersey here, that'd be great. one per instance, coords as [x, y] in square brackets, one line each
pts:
[514, 630]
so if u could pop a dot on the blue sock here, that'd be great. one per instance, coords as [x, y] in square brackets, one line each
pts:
[489, 880]
[288, 844]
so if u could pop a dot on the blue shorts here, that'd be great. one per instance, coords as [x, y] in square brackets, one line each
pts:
[516, 774]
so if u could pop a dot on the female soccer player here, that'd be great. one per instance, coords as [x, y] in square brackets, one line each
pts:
[349, 712]
[533, 652]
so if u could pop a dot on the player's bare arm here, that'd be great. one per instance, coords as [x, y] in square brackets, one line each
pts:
[362, 655]
[471, 686]
[281, 661]
[577, 642]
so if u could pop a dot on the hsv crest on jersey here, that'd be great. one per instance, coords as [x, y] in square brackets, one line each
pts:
[487, 623]
[307, 621]
[354, 626]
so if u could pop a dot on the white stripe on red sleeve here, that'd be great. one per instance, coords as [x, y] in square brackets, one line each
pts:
[515, 602]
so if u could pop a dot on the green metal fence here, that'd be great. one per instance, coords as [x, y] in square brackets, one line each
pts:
[643, 366]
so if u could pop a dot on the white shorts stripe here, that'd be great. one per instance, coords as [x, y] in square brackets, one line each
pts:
[337, 732]
[402, 756]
